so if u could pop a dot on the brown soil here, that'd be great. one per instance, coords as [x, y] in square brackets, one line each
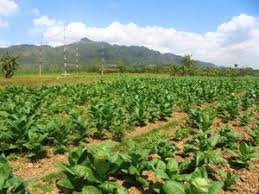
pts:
[92, 140]
[248, 182]
[134, 190]
[26, 169]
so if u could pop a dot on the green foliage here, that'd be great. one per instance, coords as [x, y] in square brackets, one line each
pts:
[81, 125]
[249, 98]
[243, 155]
[58, 133]
[229, 179]
[163, 147]
[34, 143]
[182, 133]
[89, 169]
[247, 117]
[173, 187]
[229, 109]
[8, 182]
[61, 115]
[254, 133]
[200, 183]
[228, 138]
[202, 118]
[9, 65]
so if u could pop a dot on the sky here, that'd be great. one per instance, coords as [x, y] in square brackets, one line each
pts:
[224, 32]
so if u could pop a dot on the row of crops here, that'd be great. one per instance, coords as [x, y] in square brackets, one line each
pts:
[154, 166]
[59, 116]
[33, 119]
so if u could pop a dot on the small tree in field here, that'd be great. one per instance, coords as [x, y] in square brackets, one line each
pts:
[187, 61]
[188, 65]
[9, 65]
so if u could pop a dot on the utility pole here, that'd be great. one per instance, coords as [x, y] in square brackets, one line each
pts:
[65, 54]
[77, 57]
[40, 66]
[103, 60]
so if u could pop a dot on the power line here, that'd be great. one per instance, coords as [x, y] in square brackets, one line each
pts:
[58, 38]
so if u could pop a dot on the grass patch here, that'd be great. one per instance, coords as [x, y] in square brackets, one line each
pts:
[148, 137]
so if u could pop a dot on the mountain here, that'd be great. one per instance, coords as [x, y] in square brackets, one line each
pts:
[90, 53]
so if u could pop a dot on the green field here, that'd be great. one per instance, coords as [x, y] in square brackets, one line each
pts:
[129, 133]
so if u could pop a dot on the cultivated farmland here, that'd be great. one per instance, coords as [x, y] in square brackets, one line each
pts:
[183, 135]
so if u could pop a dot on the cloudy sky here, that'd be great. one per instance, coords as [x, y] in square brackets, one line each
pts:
[224, 32]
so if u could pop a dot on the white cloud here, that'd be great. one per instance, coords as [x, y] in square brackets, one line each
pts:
[7, 7]
[235, 41]
[44, 21]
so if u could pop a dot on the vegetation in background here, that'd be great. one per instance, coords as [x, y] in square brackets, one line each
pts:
[9, 65]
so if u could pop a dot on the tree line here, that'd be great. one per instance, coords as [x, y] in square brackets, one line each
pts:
[9, 65]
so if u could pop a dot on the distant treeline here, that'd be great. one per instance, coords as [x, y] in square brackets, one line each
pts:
[187, 67]
[174, 70]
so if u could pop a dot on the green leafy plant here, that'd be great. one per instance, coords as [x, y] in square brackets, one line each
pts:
[119, 125]
[254, 133]
[202, 118]
[228, 138]
[182, 133]
[229, 109]
[247, 117]
[8, 182]
[243, 155]
[200, 183]
[58, 131]
[81, 126]
[34, 143]
[229, 179]
[163, 147]
[89, 169]
[249, 98]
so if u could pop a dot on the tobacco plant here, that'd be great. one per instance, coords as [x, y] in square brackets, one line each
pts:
[8, 182]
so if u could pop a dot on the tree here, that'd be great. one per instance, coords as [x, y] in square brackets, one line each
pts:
[9, 65]
[188, 65]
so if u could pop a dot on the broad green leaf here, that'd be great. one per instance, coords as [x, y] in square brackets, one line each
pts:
[65, 182]
[112, 187]
[215, 187]
[64, 168]
[171, 187]
[89, 190]
[84, 172]
[161, 174]
[133, 170]
[172, 166]
[200, 185]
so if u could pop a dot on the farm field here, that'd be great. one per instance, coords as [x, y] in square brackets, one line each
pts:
[35, 80]
[129, 133]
